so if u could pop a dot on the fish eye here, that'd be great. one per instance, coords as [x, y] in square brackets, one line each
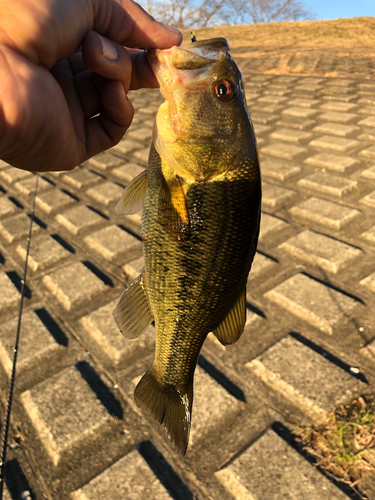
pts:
[225, 90]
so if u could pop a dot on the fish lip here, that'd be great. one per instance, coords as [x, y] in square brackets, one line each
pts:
[209, 45]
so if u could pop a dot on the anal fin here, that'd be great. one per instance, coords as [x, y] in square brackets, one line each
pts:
[132, 312]
[230, 330]
[133, 197]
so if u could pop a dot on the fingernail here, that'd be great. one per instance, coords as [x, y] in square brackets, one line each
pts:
[108, 49]
[171, 28]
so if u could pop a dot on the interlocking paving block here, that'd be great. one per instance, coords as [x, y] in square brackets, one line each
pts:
[366, 86]
[133, 268]
[105, 160]
[267, 108]
[106, 192]
[262, 118]
[54, 174]
[289, 135]
[338, 82]
[271, 469]
[149, 109]
[112, 242]
[130, 477]
[81, 177]
[369, 234]
[277, 170]
[270, 225]
[140, 134]
[336, 143]
[329, 254]
[325, 212]
[53, 201]
[16, 227]
[338, 117]
[300, 112]
[6, 206]
[368, 136]
[12, 174]
[261, 129]
[368, 122]
[303, 103]
[37, 344]
[261, 265]
[103, 331]
[368, 152]
[275, 196]
[314, 302]
[370, 99]
[66, 413]
[273, 99]
[27, 186]
[326, 183]
[135, 219]
[78, 219]
[9, 296]
[213, 406]
[275, 91]
[369, 351]
[142, 155]
[369, 199]
[369, 282]
[316, 385]
[367, 110]
[331, 96]
[74, 284]
[336, 129]
[284, 151]
[125, 146]
[295, 123]
[332, 162]
[45, 251]
[128, 171]
[337, 106]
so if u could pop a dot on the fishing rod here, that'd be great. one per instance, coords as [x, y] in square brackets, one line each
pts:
[15, 351]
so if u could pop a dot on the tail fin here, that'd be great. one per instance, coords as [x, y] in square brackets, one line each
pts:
[168, 407]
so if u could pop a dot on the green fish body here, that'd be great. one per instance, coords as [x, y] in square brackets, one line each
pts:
[201, 195]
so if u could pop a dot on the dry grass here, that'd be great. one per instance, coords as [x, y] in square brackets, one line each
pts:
[344, 447]
[338, 33]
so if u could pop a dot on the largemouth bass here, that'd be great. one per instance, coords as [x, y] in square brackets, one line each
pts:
[201, 195]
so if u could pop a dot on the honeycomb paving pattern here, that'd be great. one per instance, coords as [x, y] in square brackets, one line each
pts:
[309, 340]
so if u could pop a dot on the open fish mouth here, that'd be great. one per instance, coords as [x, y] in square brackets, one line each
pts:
[191, 56]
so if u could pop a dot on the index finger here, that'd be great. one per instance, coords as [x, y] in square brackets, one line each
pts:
[130, 25]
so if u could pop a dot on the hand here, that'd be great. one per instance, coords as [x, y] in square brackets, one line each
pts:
[64, 76]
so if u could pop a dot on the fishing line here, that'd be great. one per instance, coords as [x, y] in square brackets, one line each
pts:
[15, 352]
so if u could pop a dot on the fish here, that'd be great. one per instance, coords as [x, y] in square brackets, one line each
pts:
[201, 197]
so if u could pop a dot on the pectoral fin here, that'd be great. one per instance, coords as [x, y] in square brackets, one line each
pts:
[132, 312]
[230, 330]
[173, 214]
[132, 200]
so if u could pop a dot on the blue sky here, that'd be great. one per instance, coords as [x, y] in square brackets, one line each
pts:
[333, 9]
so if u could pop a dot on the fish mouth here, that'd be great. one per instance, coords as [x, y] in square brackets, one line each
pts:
[194, 55]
